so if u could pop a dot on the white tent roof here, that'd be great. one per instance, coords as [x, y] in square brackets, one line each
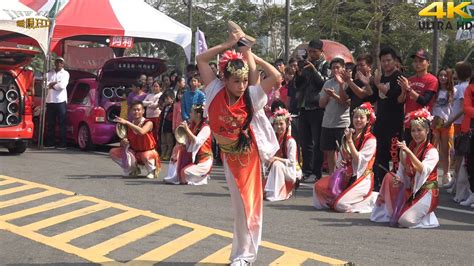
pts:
[12, 12]
[132, 18]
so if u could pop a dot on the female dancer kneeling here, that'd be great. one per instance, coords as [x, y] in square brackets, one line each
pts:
[349, 188]
[239, 124]
[283, 167]
[191, 163]
[410, 197]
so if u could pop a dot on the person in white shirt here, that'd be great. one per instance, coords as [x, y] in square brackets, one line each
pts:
[56, 99]
[153, 110]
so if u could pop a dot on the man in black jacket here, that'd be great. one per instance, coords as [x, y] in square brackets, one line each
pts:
[313, 72]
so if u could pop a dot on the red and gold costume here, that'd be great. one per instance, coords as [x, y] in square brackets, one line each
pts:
[411, 200]
[194, 161]
[139, 151]
[242, 169]
[356, 181]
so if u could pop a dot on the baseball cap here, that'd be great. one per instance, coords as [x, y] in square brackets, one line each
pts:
[421, 53]
[59, 59]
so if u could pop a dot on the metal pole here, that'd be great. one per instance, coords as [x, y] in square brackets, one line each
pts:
[435, 46]
[287, 31]
[190, 24]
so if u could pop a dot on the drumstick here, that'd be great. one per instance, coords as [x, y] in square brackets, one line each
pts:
[386, 170]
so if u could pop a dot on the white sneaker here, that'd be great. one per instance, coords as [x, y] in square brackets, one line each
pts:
[171, 180]
[450, 182]
[469, 201]
[310, 179]
[151, 174]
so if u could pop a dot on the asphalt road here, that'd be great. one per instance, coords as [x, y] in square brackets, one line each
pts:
[292, 223]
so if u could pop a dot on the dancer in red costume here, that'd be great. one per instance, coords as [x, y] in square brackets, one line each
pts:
[410, 197]
[243, 132]
[283, 168]
[349, 188]
[139, 145]
[191, 163]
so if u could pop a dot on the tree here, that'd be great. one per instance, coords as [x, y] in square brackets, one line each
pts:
[455, 52]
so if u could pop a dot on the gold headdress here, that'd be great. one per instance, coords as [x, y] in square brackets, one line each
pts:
[231, 55]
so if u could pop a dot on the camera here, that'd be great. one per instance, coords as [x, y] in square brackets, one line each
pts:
[301, 64]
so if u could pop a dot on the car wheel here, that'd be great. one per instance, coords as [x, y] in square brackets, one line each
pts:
[84, 139]
[20, 147]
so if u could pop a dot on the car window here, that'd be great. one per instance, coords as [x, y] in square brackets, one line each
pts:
[70, 87]
[80, 94]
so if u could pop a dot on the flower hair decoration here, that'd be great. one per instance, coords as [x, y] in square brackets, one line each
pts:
[419, 116]
[281, 114]
[231, 55]
[366, 109]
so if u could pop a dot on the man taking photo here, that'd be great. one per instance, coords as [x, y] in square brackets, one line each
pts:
[313, 72]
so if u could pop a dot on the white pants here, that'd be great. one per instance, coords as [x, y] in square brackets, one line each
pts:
[275, 186]
[244, 242]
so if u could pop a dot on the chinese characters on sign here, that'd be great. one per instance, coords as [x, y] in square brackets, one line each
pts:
[136, 66]
[121, 42]
[33, 23]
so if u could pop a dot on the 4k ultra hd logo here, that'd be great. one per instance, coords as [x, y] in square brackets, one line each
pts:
[462, 11]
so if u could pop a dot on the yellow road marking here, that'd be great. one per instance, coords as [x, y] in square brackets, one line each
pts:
[95, 226]
[41, 208]
[64, 217]
[55, 244]
[173, 247]
[119, 241]
[38, 185]
[8, 203]
[15, 189]
[220, 256]
[289, 259]
[6, 182]
[309, 255]
[97, 253]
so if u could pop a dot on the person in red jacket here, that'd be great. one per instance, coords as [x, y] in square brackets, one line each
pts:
[139, 145]
[465, 182]
[418, 90]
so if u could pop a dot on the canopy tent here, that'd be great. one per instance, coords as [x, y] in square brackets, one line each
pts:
[87, 19]
[21, 24]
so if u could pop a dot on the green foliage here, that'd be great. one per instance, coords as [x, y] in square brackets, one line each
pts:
[352, 23]
[455, 52]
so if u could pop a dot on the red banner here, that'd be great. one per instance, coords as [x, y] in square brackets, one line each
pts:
[121, 42]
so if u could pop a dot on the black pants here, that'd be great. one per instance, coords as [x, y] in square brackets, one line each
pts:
[387, 151]
[407, 135]
[55, 111]
[309, 130]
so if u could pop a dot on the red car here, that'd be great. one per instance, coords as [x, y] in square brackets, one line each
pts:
[16, 88]
[94, 101]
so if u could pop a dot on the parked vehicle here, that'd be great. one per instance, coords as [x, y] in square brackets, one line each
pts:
[16, 88]
[94, 101]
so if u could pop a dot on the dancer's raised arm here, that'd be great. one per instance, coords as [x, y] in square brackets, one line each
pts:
[248, 56]
[273, 75]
